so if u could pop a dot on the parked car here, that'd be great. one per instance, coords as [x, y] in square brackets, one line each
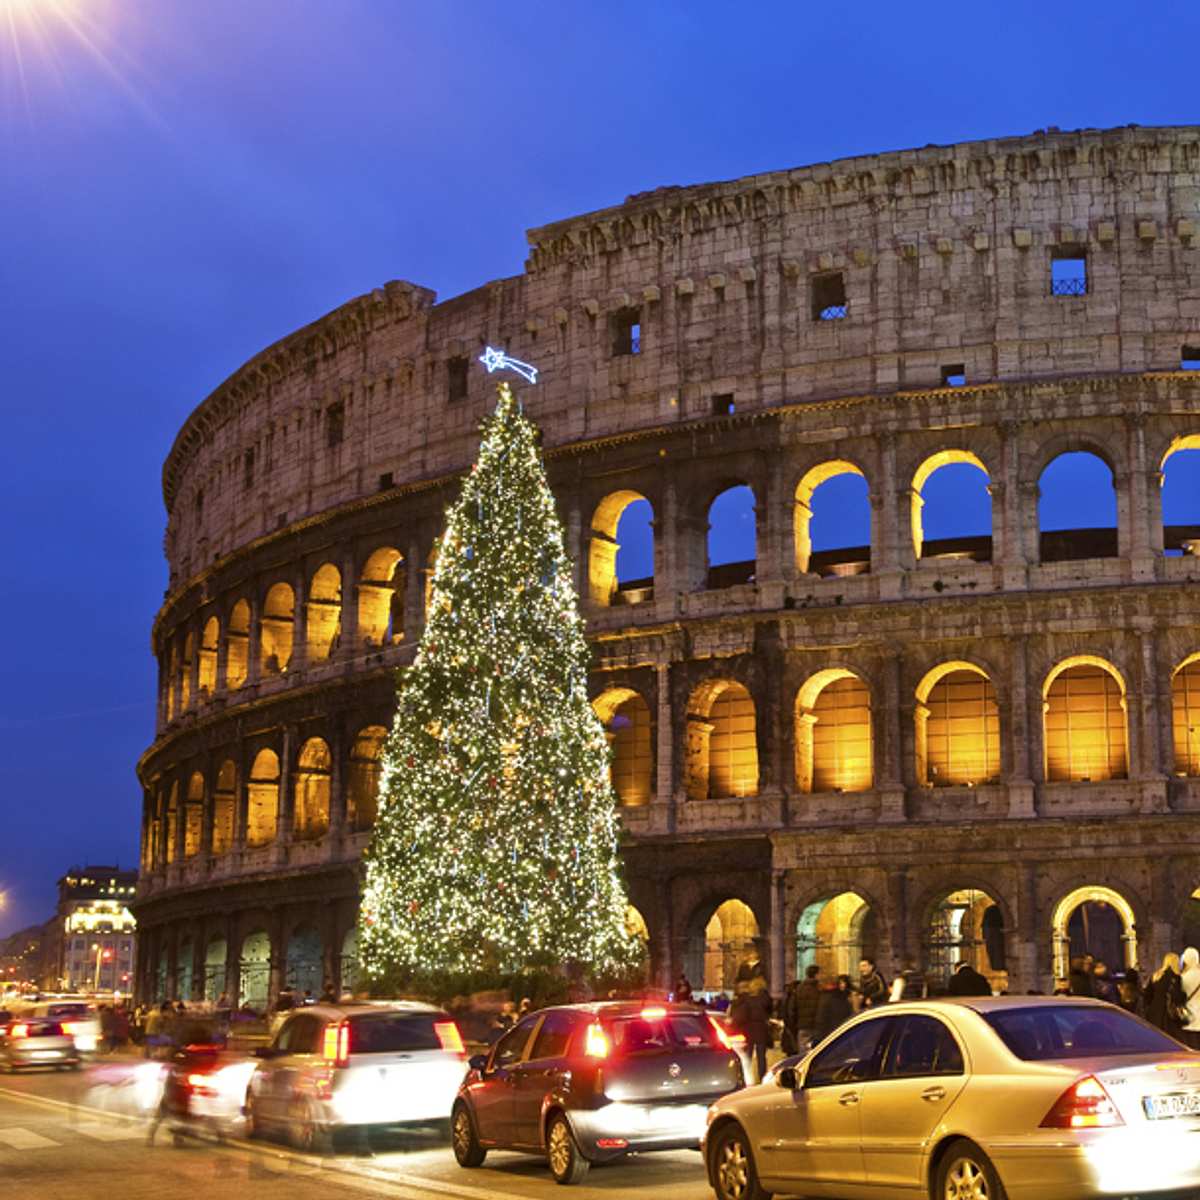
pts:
[79, 1020]
[34, 1041]
[588, 1083]
[1029, 1098]
[350, 1067]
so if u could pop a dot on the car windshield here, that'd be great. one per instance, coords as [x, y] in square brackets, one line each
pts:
[1076, 1031]
[674, 1032]
[389, 1033]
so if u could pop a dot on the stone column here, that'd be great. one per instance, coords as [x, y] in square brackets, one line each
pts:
[666, 539]
[897, 892]
[254, 639]
[1021, 800]
[1009, 516]
[576, 548]
[277, 929]
[1141, 539]
[233, 965]
[414, 593]
[1164, 906]
[172, 963]
[299, 659]
[1029, 934]
[665, 738]
[777, 975]
[199, 951]
[221, 682]
[773, 564]
[241, 801]
[1154, 765]
[207, 810]
[885, 535]
[666, 940]
[337, 779]
[287, 797]
[1029, 494]
[194, 669]
[891, 770]
[348, 647]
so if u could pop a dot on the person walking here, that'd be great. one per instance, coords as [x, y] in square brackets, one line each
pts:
[966, 981]
[1103, 987]
[801, 1017]
[833, 1007]
[1079, 980]
[872, 986]
[1190, 982]
[1129, 995]
[750, 1016]
[1166, 1004]
[683, 989]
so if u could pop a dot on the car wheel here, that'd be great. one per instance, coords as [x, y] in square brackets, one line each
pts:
[567, 1165]
[467, 1150]
[966, 1173]
[734, 1175]
[305, 1131]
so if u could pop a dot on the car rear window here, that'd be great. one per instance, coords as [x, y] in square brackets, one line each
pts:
[390, 1033]
[674, 1032]
[67, 1010]
[1076, 1031]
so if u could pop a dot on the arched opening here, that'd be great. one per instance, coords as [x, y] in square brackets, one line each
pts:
[1097, 921]
[635, 925]
[1077, 508]
[362, 797]
[1185, 716]
[278, 618]
[381, 598]
[621, 553]
[1181, 496]
[172, 682]
[719, 945]
[193, 826]
[835, 933]
[254, 971]
[732, 538]
[237, 653]
[209, 641]
[304, 967]
[952, 508]
[214, 969]
[722, 751]
[957, 727]
[349, 960]
[262, 815]
[966, 926]
[324, 612]
[833, 733]
[832, 523]
[1085, 728]
[185, 672]
[311, 815]
[184, 968]
[626, 720]
[224, 808]
[172, 830]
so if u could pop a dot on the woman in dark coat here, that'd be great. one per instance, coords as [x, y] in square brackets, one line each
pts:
[1164, 997]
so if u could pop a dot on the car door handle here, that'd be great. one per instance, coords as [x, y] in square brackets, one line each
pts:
[848, 1098]
[934, 1093]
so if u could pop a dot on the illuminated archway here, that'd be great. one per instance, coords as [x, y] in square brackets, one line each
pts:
[722, 750]
[254, 974]
[732, 538]
[215, 955]
[833, 736]
[312, 791]
[632, 511]
[626, 720]
[721, 944]
[224, 808]
[324, 612]
[210, 640]
[381, 598]
[193, 821]
[172, 681]
[275, 637]
[957, 726]
[1185, 716]
[262, 817]
[1073, 934]
[303, 966]
[635, 924]
[172, 829]
[237, 653]
[185, 672]
[934, 463]
[806, 505]
[1076, 490]
[362, 794]
[834, 933]
[966, 926]
[1084, 721]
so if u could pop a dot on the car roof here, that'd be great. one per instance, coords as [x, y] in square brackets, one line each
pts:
[986, 1004]
[366, 1007]
[621, 1008]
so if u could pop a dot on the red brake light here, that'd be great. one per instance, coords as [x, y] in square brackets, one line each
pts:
[335, 1048]
[1084, 1105]
[448, 1035]
[18, 1030]
[596, 1043]
[731, 1041]
[73, 1028]
[653, 1014]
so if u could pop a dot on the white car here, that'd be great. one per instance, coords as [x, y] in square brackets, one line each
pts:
[350, 1067]
[77, 1017]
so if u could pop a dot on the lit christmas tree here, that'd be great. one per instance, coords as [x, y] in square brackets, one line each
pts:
[495, 848]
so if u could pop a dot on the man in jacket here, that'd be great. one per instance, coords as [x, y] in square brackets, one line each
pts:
[966, 981]
[872, 986]
[800, 1015]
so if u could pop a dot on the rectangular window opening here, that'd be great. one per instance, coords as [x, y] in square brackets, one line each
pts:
[456, 379]
[335, 424]
[1189, 358]
[627, 332]
[1068, 271]
[954, 375]
[829, 297]
[386, 480]
[723, 404]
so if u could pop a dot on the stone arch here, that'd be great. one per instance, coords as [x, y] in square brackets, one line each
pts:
[1084, 735]
[834, 931]
[732, 553]
[193, 815]
[626, 720]
[172, 680]
[1180, 499]
[381, 590]
[254, 970]
[722, 751]
[185, 671]
[1065, 542]
[172, 823]
[362, 794]
[809, 482]
[323, 613]
[1185, 715]
[935, 462]
[1075, 902]
[604, 545]
[262, 819]
[719, 938]
[224, 808]
[833, 733]
[210, 640]
[278, 625]
[312, 790]
[237, 650]
[304, 960]
[966, 924]
[216, 954]
[957, 726]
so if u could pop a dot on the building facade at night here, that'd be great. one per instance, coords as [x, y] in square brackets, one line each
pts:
[926, 749]
[92, 937]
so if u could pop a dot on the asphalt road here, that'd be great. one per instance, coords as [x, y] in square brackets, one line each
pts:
[66, 1135]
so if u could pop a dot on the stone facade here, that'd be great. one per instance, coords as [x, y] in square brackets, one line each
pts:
[880, 316]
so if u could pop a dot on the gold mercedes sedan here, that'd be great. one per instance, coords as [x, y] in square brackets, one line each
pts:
[979, 1098]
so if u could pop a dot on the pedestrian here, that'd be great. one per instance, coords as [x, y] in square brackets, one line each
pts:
[801, 1014]
[833, 1007]
[328, 993]
[908, 985]
[524, 1008]
[750, 1016]
[751, 967]
[1079, 981]
[1103, 987]
[683, 989]
[1129, 995]
[1166, 1004]
[966, 981]
[107, 1038]
[872, 986]
[503, 1021]
[1190, 981]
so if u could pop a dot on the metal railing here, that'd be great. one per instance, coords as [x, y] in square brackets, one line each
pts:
[832, 312]
[1072, 285]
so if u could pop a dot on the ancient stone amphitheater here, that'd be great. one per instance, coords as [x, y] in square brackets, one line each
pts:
[982, 748]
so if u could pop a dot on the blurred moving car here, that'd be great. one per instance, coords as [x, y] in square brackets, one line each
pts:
[203, 1086]
[350, 1067]
[978, 1098]
[36, 1041]
[79, 1020]
[587, 1083]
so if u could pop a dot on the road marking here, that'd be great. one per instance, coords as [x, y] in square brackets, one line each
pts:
[25, 1139]
[109, 1133]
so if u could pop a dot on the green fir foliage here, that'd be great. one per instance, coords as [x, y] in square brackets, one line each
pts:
[495, 849]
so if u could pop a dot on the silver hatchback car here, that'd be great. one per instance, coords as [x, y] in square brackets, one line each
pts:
[1033, 1098]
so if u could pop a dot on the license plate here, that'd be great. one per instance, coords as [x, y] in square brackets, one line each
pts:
[1172, 1104]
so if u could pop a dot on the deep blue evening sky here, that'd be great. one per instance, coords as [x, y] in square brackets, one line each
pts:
[184, 181]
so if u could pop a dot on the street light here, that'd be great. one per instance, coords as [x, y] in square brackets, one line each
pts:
[102, 955]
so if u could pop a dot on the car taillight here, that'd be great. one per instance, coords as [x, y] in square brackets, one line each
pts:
[73, 1028]
[595, 1043]
[653, 1014]
[201, 1085]
[335, 1048]
[731, 1041]
[448, 1035]
[18, 1031]
[1084, 1105]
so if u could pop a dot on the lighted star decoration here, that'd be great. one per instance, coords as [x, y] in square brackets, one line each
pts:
[497, 360]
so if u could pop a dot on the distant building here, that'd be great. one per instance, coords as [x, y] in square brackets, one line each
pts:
[21, 957]
[94, 934]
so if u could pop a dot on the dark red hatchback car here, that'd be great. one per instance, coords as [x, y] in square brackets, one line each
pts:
[586, 1083]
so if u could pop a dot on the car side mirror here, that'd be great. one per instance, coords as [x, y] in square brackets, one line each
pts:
[477, 1062]
[787, 1078]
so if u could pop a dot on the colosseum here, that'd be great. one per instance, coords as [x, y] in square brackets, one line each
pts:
[936, 749]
